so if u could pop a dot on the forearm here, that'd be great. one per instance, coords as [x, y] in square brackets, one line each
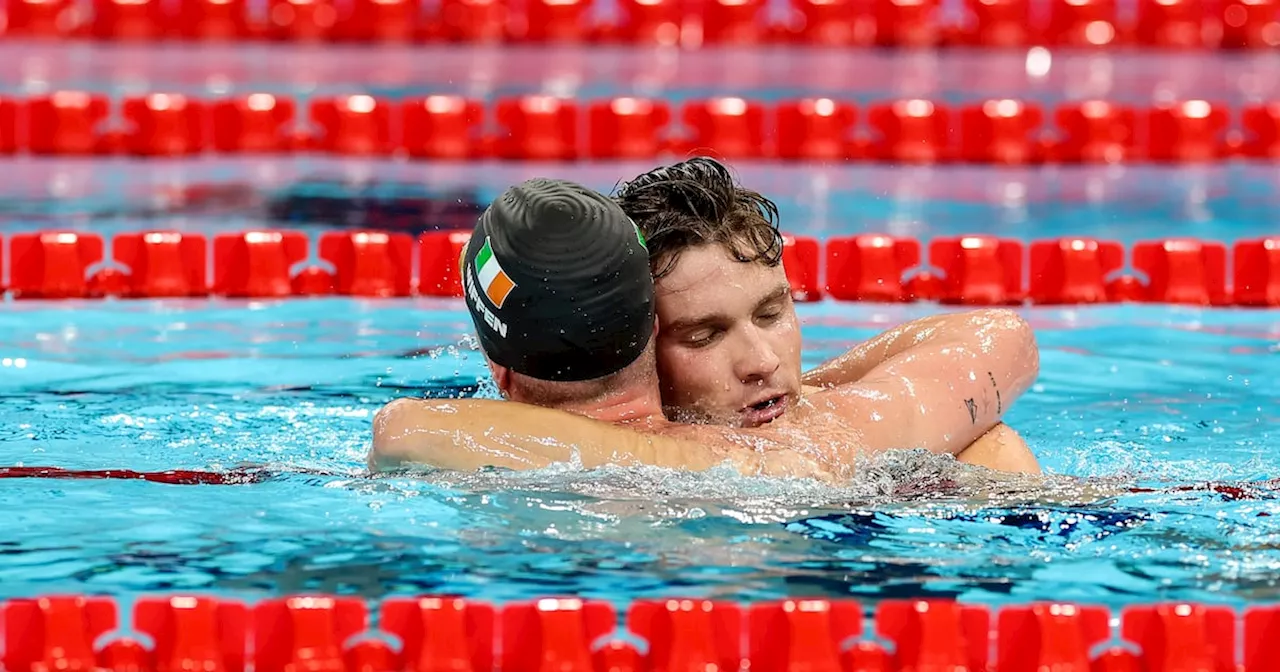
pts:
[866, 356]
[945, 393]
[471, 434]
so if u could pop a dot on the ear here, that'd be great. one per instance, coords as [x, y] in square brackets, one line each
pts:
[501, 378]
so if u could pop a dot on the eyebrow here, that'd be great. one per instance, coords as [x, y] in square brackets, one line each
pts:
[781, 291]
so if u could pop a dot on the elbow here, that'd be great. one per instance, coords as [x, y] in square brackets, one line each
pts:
[1007, 333]
[389, 448]
[420, 433]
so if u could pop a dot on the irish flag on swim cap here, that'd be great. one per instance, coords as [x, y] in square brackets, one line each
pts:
[496, 284]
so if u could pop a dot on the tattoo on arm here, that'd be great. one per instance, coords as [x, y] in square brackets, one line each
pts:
[999, 403]
[973, 411]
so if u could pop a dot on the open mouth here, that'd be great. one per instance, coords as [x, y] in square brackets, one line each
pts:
[766, 403]
[764, 411]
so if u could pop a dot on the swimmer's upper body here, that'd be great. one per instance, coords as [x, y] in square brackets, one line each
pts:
[729, 343]
[570, 326]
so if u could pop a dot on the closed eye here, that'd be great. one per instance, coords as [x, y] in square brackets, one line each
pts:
[702, 337]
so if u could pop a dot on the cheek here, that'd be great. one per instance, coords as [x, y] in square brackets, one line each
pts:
[687, 374]
[789, 342]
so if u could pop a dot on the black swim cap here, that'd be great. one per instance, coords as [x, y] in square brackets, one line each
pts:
[557, 280]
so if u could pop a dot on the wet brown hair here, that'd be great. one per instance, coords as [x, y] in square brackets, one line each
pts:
[696, 202]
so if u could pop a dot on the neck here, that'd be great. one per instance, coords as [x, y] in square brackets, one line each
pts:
[639, 404]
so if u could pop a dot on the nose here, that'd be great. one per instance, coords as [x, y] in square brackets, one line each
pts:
[758, 360]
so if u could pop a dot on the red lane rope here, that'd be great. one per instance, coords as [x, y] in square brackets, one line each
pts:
[1000, 131]
[242, 476]
[970, 270]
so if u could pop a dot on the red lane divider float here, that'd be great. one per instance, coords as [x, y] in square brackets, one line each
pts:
[255, 123]
[928, 634]
[1183, 271]
[809, 634]
[439, 262]
[52, 264]
[800, 259]
[1095, 131]
[370, 263]
[64, 123]
[358, 125]
[441, 633]
[1052, 636]
[1257, 272]
[871, 267]
[257, 263]
[547, 128]
[319, 632]
[968, 270]
[8, 126]
[627, 128]
[442, 127]
[193, 633]
[552, 629]
[305, 632]
[538, 128]
[978, 270]
[1000, 131]
[159, 264]
[1073, 270]
[1165, 24]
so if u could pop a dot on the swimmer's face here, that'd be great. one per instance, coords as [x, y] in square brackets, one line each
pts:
[728, 339]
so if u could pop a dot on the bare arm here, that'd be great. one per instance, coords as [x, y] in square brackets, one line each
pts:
[866, 356]
[929, 386]
[1001, 449]
[469, 434]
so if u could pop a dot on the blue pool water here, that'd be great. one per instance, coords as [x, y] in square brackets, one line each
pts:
[1150, 397]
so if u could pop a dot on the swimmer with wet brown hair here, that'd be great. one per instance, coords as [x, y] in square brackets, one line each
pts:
[729, 342]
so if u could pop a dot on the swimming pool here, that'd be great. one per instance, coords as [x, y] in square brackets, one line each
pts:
[1137, 408]
[1155, 397]
[251, 418]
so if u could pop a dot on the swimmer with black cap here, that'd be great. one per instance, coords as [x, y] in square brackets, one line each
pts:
[554, 271]
[556, 279]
